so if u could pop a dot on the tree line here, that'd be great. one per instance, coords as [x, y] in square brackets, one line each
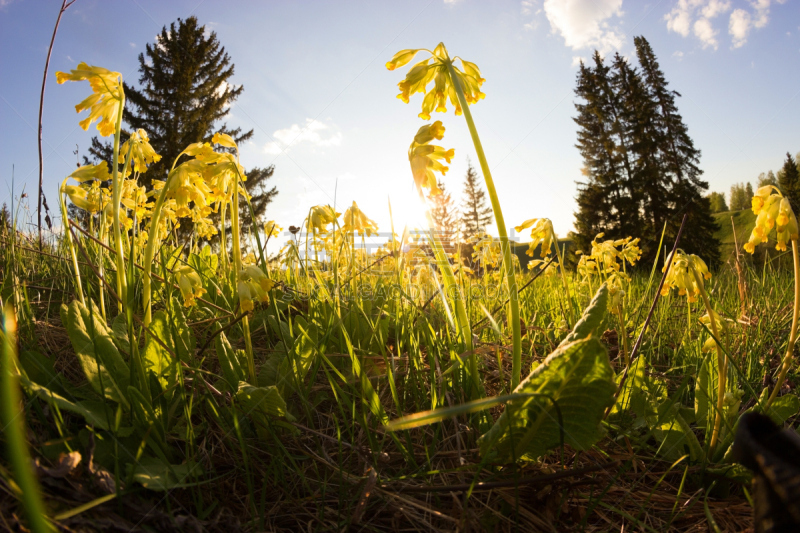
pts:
[640, 170]
[787, 180]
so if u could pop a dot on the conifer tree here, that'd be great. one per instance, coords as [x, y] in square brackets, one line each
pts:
[679, 159]
[789, 182]
[476, 213]
[718, 204]
[739, 198]
[183, 97]
[748, 189]
[443, 213]
[767, 179]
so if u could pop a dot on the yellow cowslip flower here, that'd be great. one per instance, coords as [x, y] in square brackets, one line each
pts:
[486, 250]
[722, 324]
[253, 284]
[425, 158]
[319, 218]
[186, 185]
[142, 153]
[681, 275]
[271, 229]
[98, 172]
[437, 69]
[356, 220]
[190, 284]
[541, 233]
[79, 196]
[103, 103]
[223, 139]
[774, 211]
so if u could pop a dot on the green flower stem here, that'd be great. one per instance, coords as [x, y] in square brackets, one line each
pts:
[450, 286]
[722, 363]
[116, 199]
[63, 206]
[13, 422]
[787, 359]
[513, 294]
[237, 267]
[152, 242]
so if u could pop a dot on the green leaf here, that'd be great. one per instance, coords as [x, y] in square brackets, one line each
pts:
[119, 326]
[232, 371]
[783, 408]
[144, 415]
[98, 356]
[93, 412]
[261, 403]
[591, 321]
[578, 378]
[703, 398]
[156, 358]
[156, 474]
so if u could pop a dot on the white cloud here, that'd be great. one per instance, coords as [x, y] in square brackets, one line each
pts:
[704, 31]
[678, 55]
[132, 45]
[697, 16]
[585, 23]
[530, 8]
[739, 27]
[310, 132]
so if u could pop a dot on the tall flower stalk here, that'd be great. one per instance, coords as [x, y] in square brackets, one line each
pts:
[462, 87]
[775, 211]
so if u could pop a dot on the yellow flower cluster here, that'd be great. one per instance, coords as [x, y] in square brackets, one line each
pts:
[319, 217]
[541, 233]
[190, 285]
[437, 69]
[686, 273]
[486, 250]
[104, 102]
[356, 221]
[609, 256]
[142, 153]
[425, 158]
[774, 211]
[253, 284]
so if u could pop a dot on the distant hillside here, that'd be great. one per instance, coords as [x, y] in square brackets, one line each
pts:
[744, 221]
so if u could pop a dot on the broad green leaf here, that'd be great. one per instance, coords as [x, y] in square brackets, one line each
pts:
[783, 408]
[156, 474]
[144, 415]
[156, 358]
[261, 404]
[184, 342]
[98, 356]
[119, 327]
[591, 321]
[232, 371]
[578, 378]
[93, 412]
[41, 370]
[702, 396]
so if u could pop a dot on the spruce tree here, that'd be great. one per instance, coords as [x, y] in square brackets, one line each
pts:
[679, 159]
[443, 213]
[184, 94]
[476, 213]
[748, 189]
[789, 182]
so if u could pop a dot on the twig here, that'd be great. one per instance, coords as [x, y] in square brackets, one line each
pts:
[64, 5]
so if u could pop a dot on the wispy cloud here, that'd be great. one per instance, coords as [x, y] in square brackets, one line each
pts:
[697, 17]
[586, 24]
[312, 132]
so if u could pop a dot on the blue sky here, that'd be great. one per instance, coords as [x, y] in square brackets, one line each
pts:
[323, 105]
